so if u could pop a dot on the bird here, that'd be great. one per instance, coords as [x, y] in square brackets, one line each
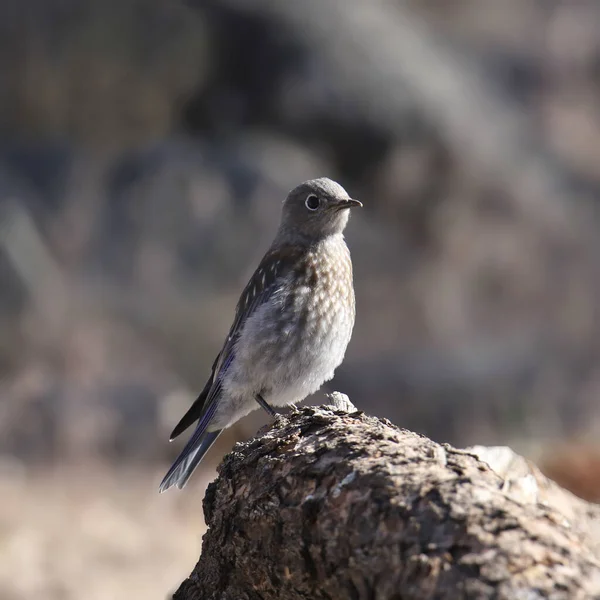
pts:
[292, 323]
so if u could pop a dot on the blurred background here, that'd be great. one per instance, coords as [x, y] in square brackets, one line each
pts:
[145, 149]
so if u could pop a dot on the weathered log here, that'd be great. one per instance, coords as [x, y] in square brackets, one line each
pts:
[332, 504]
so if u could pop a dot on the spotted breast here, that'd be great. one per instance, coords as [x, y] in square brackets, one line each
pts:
[293, 343]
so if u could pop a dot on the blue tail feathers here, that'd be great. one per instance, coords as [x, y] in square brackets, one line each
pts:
[188, 460]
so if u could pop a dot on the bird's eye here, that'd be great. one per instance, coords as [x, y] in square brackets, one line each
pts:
[312, 202]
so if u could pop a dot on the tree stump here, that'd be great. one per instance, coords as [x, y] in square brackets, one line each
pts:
[329, 504]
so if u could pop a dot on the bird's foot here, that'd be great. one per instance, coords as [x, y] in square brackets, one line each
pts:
[266, 406]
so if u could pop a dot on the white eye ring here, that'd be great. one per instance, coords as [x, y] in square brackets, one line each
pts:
[312, 202]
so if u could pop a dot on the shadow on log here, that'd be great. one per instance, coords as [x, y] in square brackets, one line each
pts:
[333, 504]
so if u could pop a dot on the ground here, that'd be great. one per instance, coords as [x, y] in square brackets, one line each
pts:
[71, 533]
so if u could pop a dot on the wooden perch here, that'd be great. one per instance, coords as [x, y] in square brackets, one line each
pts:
[333, 504]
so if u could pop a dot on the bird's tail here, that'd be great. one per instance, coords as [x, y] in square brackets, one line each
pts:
[190, 457]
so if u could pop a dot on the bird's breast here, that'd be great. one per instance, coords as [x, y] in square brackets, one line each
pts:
[294, 342]
[320, 299]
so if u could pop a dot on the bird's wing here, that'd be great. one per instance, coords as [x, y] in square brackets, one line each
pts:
[273, 268]
[195, 410]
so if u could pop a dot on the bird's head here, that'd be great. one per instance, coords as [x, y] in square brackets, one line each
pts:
[316, 209]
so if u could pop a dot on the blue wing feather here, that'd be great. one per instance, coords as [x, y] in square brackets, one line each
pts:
[262, 285]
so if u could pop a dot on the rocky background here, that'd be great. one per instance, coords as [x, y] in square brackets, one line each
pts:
[145, 148]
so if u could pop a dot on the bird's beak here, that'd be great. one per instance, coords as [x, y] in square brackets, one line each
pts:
[349, 203]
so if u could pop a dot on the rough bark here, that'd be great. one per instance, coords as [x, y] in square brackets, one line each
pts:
[333, 504]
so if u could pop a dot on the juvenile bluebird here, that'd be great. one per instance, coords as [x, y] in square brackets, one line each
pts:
[292, 323]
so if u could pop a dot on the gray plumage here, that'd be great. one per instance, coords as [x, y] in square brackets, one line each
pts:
[292, 323]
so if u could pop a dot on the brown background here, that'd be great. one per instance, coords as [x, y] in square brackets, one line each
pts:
[145, 148]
